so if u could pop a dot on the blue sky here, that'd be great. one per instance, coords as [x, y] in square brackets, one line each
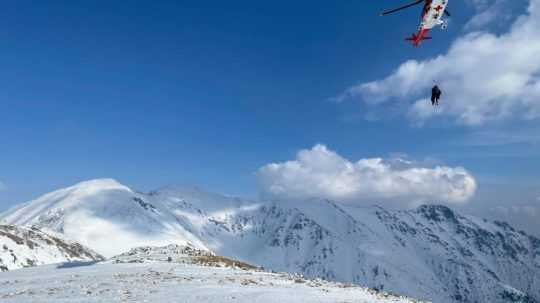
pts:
[208, 92]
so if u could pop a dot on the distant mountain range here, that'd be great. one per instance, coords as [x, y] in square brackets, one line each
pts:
[428, 253]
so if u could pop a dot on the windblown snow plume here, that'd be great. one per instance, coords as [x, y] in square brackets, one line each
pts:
[485, 77]
[320, 172]
[102, 214]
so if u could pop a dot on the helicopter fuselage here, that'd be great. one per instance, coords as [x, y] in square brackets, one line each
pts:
[432, 16]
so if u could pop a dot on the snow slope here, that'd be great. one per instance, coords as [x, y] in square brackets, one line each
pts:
[430, 252]
[158, 281]
[104, 215]
[21, 247]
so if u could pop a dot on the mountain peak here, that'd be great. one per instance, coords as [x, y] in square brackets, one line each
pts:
[103, 183]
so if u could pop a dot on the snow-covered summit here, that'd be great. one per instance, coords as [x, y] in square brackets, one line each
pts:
[99, 184]
[67, 198]
[175, 195]
[105, 215]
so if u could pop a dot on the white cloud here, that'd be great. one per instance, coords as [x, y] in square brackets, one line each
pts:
[2, 186]
[322, 173]
[484, 77]
[489, 11]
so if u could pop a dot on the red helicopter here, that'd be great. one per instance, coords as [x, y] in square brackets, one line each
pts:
[432, 15]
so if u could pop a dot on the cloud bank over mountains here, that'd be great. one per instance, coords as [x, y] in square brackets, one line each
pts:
[485, 77]
[322, 173]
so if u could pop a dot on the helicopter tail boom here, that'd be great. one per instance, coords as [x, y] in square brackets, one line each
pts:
[417, 38]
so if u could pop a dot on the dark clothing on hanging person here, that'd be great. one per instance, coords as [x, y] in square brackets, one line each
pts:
[435, 95]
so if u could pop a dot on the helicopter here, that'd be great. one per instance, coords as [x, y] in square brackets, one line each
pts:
[432, 16]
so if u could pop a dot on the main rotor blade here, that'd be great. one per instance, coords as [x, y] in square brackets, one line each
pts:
[446, 12]
[402, 7]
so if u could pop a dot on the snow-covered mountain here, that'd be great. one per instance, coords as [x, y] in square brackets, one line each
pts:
[103, 215]
[430, 252]
[21, 247]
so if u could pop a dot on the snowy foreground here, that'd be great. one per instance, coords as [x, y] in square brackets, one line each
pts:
[167, 282]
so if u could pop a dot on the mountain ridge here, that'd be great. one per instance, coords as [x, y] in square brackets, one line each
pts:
[430, 252]
[22, 247]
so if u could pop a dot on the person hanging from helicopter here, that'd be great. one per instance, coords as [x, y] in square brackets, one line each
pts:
[435, 95]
